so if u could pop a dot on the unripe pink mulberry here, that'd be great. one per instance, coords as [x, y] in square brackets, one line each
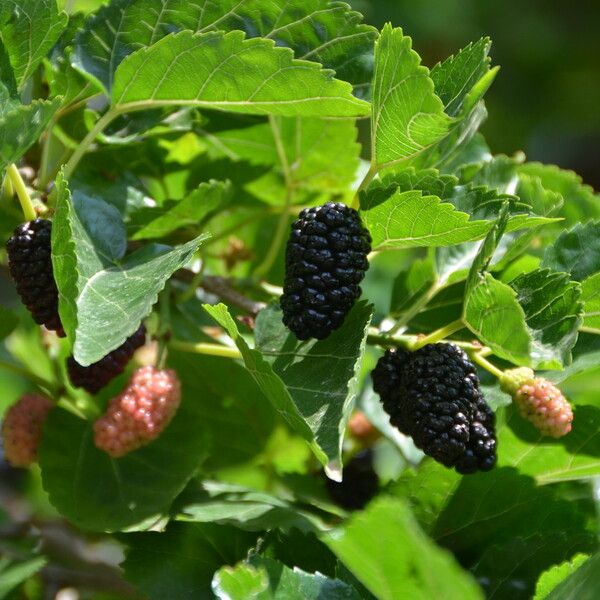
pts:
[22, 429]
[138, 415]
[539, 401]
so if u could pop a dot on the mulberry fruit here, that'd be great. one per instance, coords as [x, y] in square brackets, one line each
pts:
[359, 482]
[326, 259]
[433, 396]
[22, 429]
[97, 375]
[139, 414]
[30, 265]
[539, 401]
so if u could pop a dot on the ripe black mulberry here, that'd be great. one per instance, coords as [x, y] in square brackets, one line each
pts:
[99, 374]
[326, 259]
[30, 266]
[433, 395]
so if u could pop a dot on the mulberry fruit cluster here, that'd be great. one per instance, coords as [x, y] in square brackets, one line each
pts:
[140, 413]
[359, 482]
[30, 265]
[97, 375]
[326, 259]
[539, 401]
[22, 429]
[433, 396]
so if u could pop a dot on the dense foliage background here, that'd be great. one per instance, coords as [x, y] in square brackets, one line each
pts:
[232, 501]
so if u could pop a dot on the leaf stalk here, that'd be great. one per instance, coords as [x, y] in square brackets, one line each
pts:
[22, 193]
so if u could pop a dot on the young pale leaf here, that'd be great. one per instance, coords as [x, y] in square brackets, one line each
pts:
[321, 376]
[100, 493]
[268, 579]
[225, 71]
[590, 294]
[325, 32]
[21, 126]
[103, 295]
[407, 116]
[457, 75]
[179, 564]
[583, 584]
[29, 29]
[555, 575]
[576, 251]
[388, 552]
[570, 458]
[552, 306]
[207, 198]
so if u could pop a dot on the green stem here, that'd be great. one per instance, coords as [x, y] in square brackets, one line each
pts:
[203, 348]
[27, 374]
[282, 224]
[22, 193]
[486, 364]
[584, 329]
[415, 309]
[88, 140]
[190, 291]
[439, 334]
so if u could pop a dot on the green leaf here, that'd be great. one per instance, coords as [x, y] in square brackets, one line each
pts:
[576, 251]
[590, 294]
[420, 208]
[491, 309]
[552, 306]
[21, 126]
[29, 29]
[407, 116]
[195, 208]
[100, 493]
[493, 313]
[320, 154]
[229, 504]
[282, 366]
[412, 284]
[505, 528]
[573, 457]
[225, 71]
[242, 582]
[321, 376]
[388, 552]
[457, 75]
[14, 574]
[553, 576]
[103, 296]
[269, 579]
[583, 584]
[325, 32]
[580, 202]
[179, 564]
